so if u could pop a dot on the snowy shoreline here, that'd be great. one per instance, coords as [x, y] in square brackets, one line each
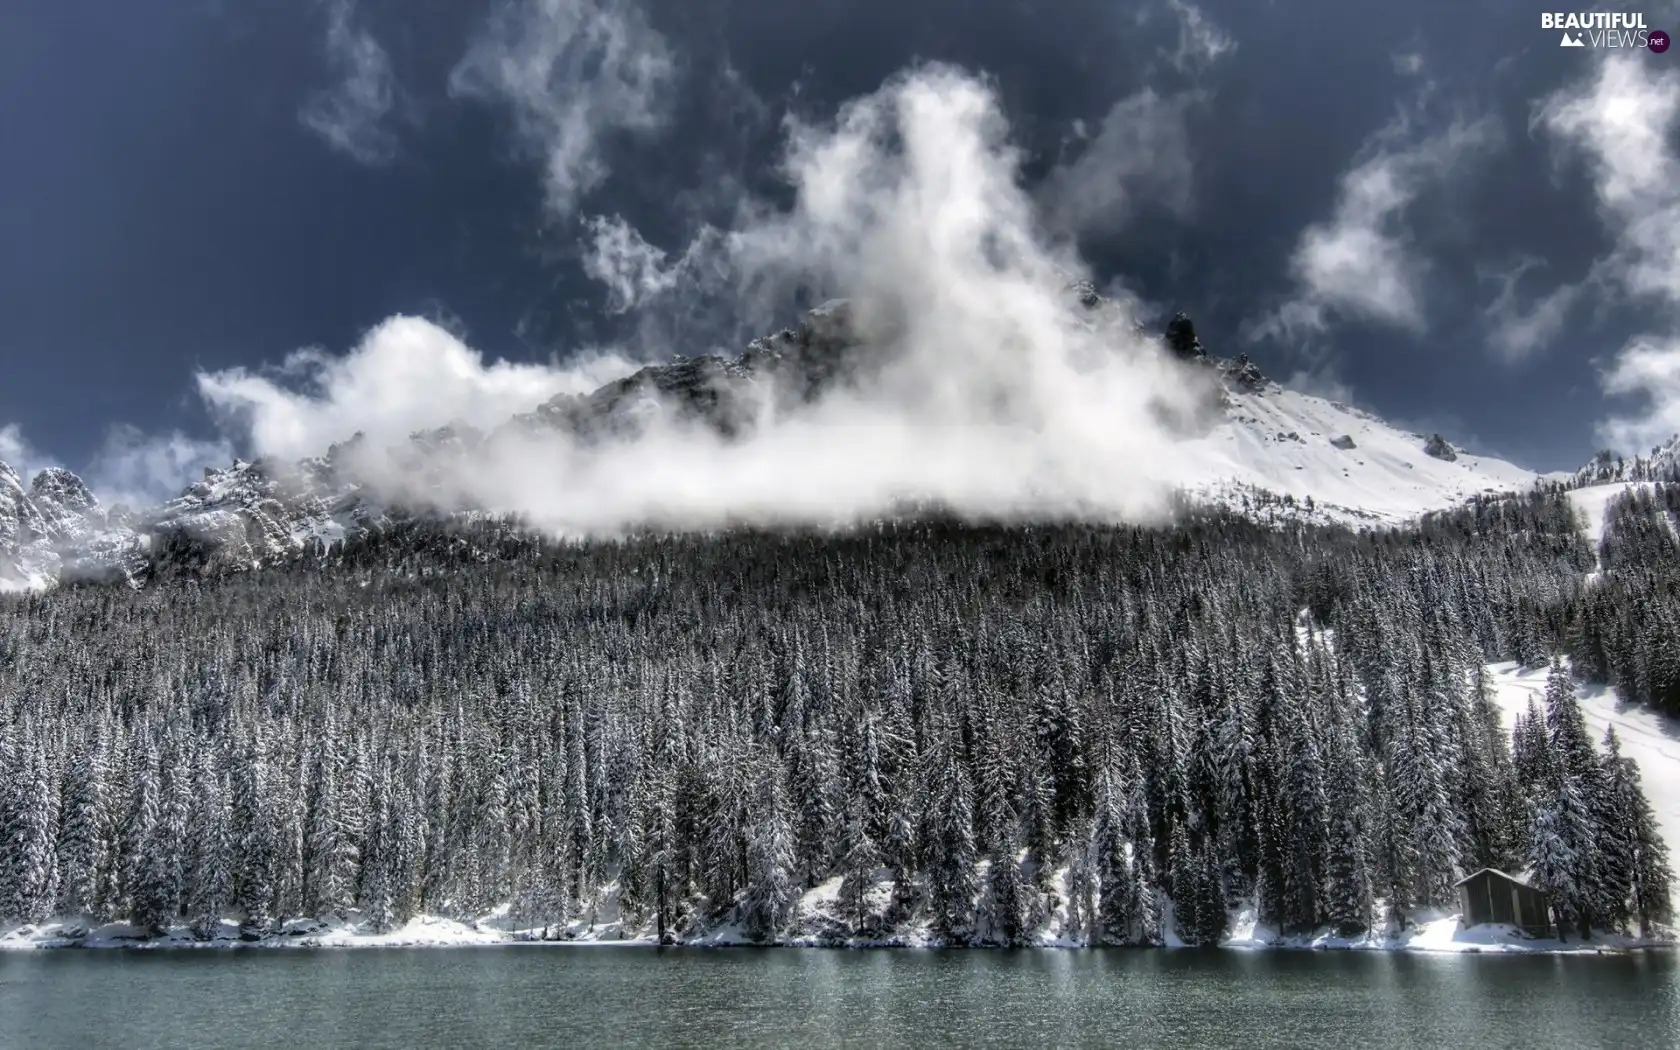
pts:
[1439, 936]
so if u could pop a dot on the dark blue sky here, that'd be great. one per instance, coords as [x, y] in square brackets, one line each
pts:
[165, 207]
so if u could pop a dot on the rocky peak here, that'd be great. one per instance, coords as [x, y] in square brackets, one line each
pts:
[62, 490]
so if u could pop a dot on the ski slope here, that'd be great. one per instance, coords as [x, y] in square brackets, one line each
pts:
[1650, 739]
[1281, 441]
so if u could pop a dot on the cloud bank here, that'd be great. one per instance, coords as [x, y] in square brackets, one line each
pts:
[1623, 120]
[990, 393]
[406, 374]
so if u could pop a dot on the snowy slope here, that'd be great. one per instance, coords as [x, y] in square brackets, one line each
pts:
[1650, 739]
[1592, 506]
[1281, 441]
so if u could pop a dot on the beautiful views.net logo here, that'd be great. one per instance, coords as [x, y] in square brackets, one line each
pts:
[1605, 29]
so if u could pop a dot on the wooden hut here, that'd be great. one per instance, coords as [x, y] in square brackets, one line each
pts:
[1490, 895]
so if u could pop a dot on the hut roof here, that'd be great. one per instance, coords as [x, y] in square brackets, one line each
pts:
[1521, 880]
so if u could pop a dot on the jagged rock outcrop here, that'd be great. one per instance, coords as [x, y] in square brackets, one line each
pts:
[1440, 448]
[1182, 339]
[54, 526]
[1244, 374]
[1344, 442]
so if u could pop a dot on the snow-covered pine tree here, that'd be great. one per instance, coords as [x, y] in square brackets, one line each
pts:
[772, 892]
[1005, 908]
[951, 852]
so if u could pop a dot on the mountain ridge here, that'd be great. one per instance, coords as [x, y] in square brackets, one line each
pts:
[1269, 452]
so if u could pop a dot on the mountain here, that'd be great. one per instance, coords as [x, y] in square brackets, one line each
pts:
[1238, 728]
[1266, 451]
[1662, 464]
[1277, 449]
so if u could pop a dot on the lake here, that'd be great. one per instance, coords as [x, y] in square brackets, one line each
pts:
[635, 997]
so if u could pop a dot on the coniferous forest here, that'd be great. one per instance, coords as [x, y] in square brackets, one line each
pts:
[971, 728]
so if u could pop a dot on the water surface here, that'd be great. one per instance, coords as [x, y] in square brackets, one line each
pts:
[643, 997]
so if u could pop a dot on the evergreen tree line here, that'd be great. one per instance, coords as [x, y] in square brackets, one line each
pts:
[971, 729]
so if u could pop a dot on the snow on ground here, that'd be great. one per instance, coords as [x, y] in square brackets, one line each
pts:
[817, 923]
[1649, 738]
[1430, 931]
[1592, 502]
[1280, 441]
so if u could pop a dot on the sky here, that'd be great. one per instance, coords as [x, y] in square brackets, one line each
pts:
[213, 210]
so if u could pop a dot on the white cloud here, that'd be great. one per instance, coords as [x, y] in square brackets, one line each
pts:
[637, 273]
[1363, 262]
[571, 72]
[1623, 118]
[1141, 152]
[142, 470]
[16, 452]
[1518, 330]
[1648, 370]
[129, 467]
[988, 392]
[351, 115]
[1407, 63]
[407, 374]
[1200, 41]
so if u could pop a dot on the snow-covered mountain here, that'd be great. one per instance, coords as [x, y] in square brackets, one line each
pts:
[1270, 452]
[1662, 464]
[1280, 444]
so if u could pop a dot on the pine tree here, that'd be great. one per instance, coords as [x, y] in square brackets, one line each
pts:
[1005, 911]
[83, 842]
[858, 863]
[771, 893]
[1552, 856]
[952, 886]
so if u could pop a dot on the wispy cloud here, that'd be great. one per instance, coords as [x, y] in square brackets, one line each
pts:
[1623, 119]
[352, 116]
[129, 467]
[1407, 63]
[1519, 328]
[16, 452]
[1364, 262]
[142, 470]
[572, 72]
[636, 273]
[1140, 153]
[1201, 42]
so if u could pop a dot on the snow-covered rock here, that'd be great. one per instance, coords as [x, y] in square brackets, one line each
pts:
[1440, 448]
